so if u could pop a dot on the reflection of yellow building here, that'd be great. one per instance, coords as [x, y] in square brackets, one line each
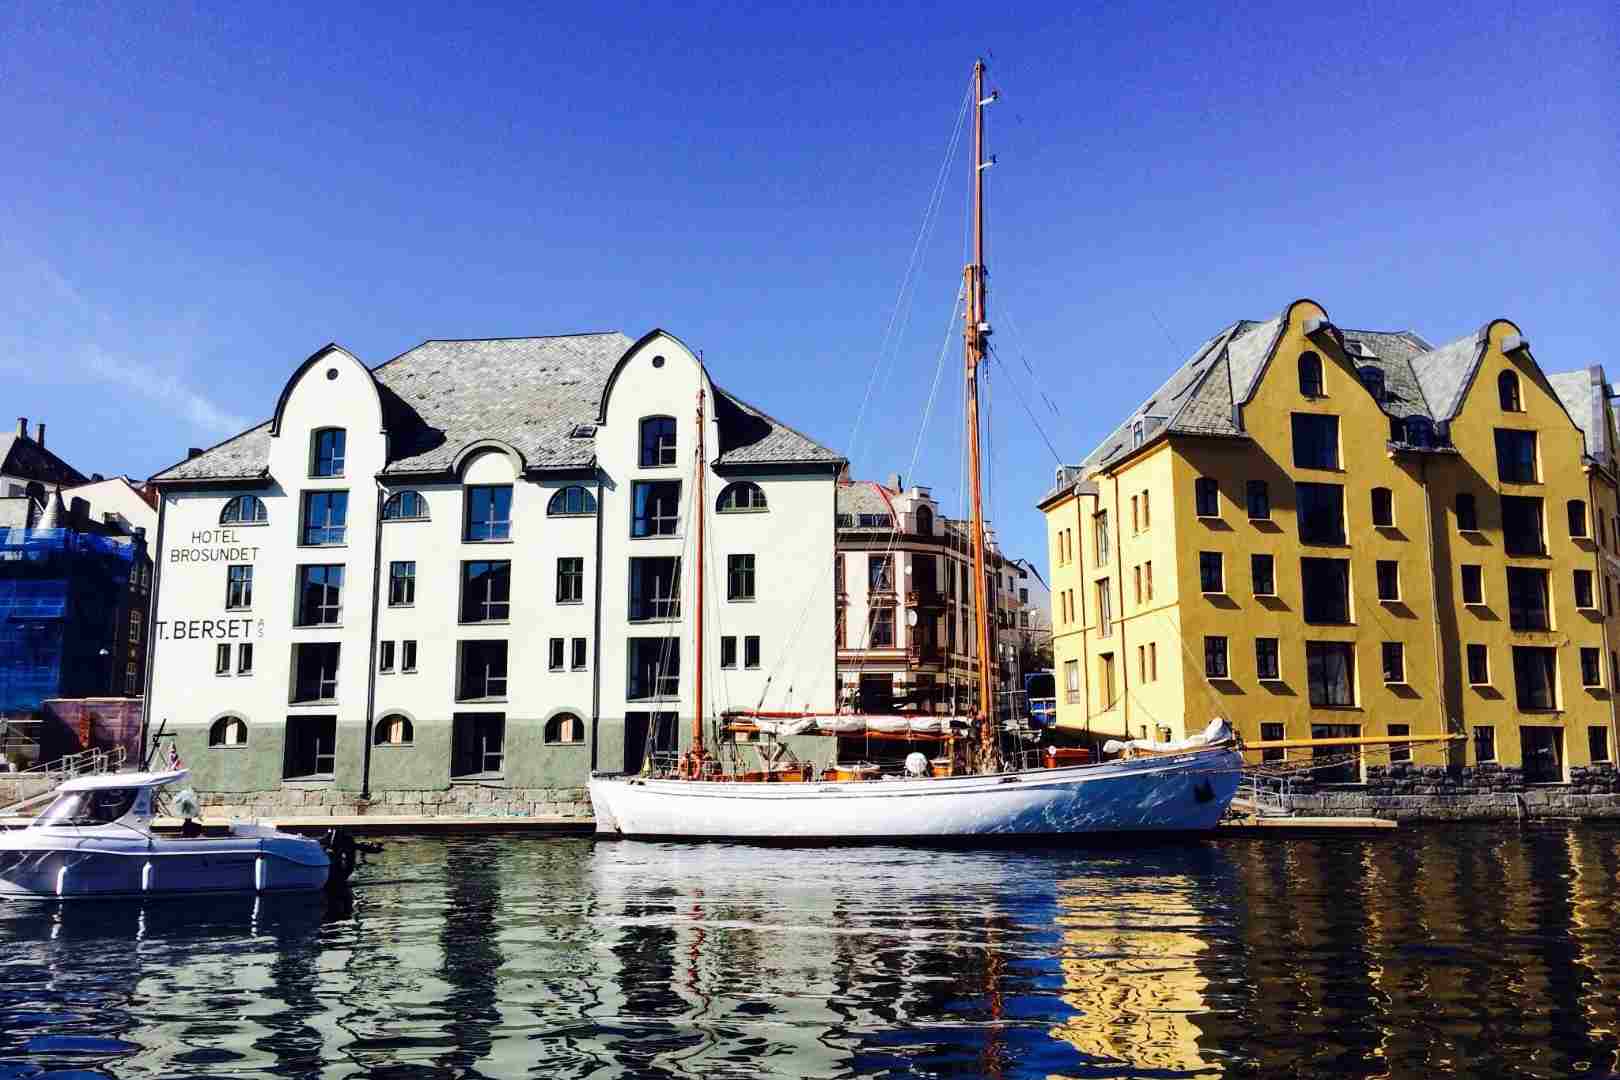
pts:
[1130, 969]
[1325, 532]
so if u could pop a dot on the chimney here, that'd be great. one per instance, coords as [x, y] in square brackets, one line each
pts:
[22, 427]
[894, 482]
[40, 437]
[193, 451]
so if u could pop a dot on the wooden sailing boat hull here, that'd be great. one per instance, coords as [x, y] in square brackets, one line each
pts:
[1187, 793]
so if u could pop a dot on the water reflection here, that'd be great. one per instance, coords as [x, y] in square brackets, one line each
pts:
[1474, 952]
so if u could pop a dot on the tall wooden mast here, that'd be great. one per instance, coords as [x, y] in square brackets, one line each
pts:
[698, 508]
[974, 330]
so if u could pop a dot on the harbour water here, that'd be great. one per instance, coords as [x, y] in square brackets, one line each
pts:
[1463, 951]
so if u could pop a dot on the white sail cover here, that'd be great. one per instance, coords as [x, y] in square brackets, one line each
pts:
[860, 724]
[1216, 732]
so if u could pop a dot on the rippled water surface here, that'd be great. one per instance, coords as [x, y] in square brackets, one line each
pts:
[1481, 952]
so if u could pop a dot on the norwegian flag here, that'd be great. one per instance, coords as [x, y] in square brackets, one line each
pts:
[173, 757]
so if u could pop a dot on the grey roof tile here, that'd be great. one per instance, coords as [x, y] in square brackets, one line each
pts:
[531, 393]
[1248, 352]
[1444, 373]
[1585, 399]
[26, 458]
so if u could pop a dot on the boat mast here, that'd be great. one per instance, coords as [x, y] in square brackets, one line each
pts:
[974, 330]
[697, 715]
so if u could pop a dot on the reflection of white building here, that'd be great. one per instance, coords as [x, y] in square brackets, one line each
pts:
[472, 566]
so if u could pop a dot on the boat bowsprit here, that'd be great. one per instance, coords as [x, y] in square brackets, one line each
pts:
[96, 840]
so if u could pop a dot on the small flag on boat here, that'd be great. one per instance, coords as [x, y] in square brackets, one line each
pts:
[174, 757]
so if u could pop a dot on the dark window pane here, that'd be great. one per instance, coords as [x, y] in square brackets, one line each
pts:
[1211, 575]
[1473, 585]
[1394, 662]
[1535, 678]
[1259, 500]
[1265, 661]
[1516, 456]
[1316, 441]
[656, 508]
[1577, 518]
[1265, 581]
[1528, 599]
[483, 670]
[1320, 508]
[1215, 657]
[328, 455]
[1521, 526]
[1310, 374]
[1329, 670]
[486, 591]
[1479, 668]
[1206, 497]
[1507, 389]
[478, 744]
[1389, 587]
[311, 747]
[489, 512]
[1383, 508]
[326, 515]
[657, 442]
[655, 588]
[1467, 514]
[655, 668]
[1325, 586]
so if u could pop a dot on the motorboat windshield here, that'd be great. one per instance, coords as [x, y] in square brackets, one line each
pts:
[96, 806]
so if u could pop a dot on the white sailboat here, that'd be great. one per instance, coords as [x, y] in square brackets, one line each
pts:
[971, 793]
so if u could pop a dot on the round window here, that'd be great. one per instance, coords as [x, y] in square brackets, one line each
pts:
[658, 361]
[331, 373]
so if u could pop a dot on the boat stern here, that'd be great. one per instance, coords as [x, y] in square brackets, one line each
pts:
[600, 787]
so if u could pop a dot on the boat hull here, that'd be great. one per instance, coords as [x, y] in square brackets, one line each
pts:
[1187, 793]
[54, 868]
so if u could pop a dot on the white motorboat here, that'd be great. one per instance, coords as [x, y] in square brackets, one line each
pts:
[96, 840]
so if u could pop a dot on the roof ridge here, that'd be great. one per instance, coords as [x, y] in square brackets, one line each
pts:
[767, 416]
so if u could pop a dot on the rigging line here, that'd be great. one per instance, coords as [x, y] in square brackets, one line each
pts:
[1033, 419]
[924, 231]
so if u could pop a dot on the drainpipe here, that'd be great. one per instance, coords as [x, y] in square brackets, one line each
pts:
[371, 672]
[151, 627]
[1124, 650]
[1085, 635]
[596, 642]
[1434, 604]
[1600, 581]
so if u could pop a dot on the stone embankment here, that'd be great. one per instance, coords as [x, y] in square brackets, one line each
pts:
[460, 801]
[1406, 792]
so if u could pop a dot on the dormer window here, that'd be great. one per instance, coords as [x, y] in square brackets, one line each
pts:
[741, 497]
[326, 458]
[244, 510]
[1136, 434]
[657, 442]
[1507, 389]
[1373, 379]
[405, 506]
[925, 521]
[1310, 375]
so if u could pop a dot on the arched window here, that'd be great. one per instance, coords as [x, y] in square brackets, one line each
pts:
[244, 510]
[925, 521]
[326, 456]
[657, 441]
[1373, 379]
[1383, 508]
[395, 730]
[1577, 518]
[1507, 388]
[1310, 374]
[405, 506]
[565, 728]
[228, 731]
[739, 498]
[571, 501]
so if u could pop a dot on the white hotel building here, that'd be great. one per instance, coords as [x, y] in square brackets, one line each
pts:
[473, 566]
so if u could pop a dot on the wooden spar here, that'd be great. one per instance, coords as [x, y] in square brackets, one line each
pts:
[697, 715]
[973, 330]
[1388, 740]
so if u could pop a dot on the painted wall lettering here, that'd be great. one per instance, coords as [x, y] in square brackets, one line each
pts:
[209, 629]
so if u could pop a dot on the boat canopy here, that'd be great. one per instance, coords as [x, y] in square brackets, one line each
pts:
[921, 725]
[124, 780]
[1216, 733]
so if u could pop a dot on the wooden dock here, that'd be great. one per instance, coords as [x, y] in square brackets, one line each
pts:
[1255, 825]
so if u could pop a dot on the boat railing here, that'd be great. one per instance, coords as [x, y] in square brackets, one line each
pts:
[84, 763]
[1268, 796]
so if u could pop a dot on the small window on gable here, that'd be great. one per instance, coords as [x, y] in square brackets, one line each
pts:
[1507, 388]
[571, 501]
[395, 729]
[228, 731]
[1310, 375]
[740, 498]
[1577, 518]
[924, 519]
[327, 452]
[1383, 508]
[565, 728]
[244, 510]
[657, 441]
[405, 506]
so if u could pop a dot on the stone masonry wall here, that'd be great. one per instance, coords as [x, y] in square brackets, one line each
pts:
[468, 801]
[1408, 792]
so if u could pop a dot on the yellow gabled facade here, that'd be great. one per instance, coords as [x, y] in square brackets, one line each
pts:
[1274, 537]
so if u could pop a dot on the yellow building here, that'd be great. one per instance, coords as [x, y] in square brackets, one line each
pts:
[1322, 532]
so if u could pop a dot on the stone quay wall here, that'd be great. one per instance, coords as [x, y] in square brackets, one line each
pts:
[1408, 792]
[469, 801]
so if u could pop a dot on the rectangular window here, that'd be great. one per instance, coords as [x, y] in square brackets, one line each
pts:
[1153, 661]
[1394, 662]
[134, 627]
[327, 459]
[571, 580]
[1325, 587]
[385, 656]
[1467, 513]
[486, 591]
[1577, 519]
[1105, 679]
[1484, 744]
[1099, 528]
[489, 513]
[483, 671]
[1330, 672]
[1479, 666]
[1147, 579]
[655, 508]
[751, 651]
[131, 679]
[244, 658]
[1071, 681]
[1383, 508]
[1584, 598]
[657, 442]
[315, 670]
[1473, 585]
[1147, 517]
[1141, 662]
[880, 628]
[477, 745]
[1136, 577]
[1528, 607]
[238, 587]
[577, 655]
[1320, 509]
[1211, 572]
[1267, 666]
[556, 648]
[222, 659]
[1105, 609]
[1316, 441]
[1206, 497]
[1399, 752]
[326, 518]
[1259, 493]
[1515, 456]
[655, 588]
[1136, 514]
[1272, 732]
[1215, 657]
[320, 596]
[401, 584]
[655, 668]
[407, 656]
[1597, 743]
[1591, 668]
[1389, 580]
[880, 575]
[1522, 532]
[739, 577]
[728, 651]
[310, 752]
[1535, 678]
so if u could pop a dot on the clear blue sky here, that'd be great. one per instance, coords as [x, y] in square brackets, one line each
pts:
[194, 199]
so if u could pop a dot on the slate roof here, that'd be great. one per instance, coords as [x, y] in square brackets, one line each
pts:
[532, 393]
[1445, 373]
[863, 497]
[22, 456]
[1584, 396]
